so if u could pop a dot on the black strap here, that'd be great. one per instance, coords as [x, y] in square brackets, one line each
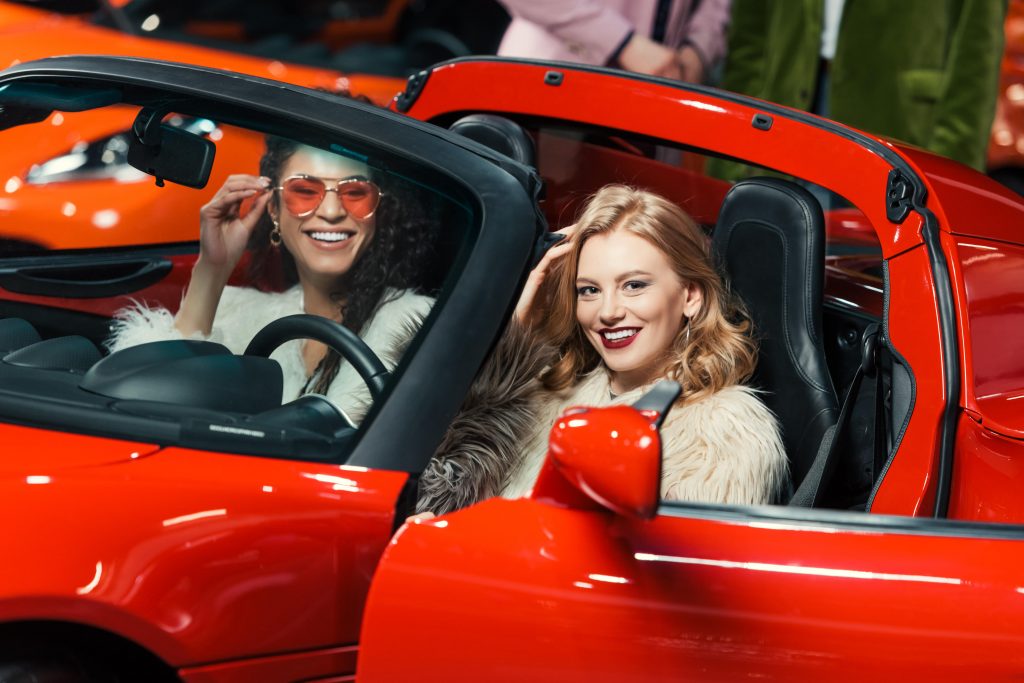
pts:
[811, 491]
[881, 444]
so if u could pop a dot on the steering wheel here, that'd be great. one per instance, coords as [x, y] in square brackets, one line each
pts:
[334, 335]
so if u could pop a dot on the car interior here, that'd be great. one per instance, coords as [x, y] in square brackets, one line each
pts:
[57, 307]
[768, 234]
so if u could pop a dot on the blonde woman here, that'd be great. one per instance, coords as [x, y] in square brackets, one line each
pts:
[631, 298]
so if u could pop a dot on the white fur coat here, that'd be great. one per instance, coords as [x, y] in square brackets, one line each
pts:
[724, 448]
[244, 311]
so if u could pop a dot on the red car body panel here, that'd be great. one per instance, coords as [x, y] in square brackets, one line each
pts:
[574, 595]
[203, 557]
[575, 592]
[986, 473]
[296, 666]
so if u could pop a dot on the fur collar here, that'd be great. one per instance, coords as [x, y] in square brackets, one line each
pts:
[723, 448]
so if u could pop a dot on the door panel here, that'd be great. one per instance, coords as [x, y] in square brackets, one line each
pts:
[586, 596]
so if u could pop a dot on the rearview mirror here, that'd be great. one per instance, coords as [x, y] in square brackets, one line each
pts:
[169, 153]
[612, 455]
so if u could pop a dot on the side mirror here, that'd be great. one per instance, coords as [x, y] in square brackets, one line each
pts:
[612, 456]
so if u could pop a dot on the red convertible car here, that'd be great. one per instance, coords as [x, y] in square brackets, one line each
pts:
[169, 519]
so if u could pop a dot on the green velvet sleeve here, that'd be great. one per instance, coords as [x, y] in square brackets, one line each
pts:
[746, 59]
[967, 105]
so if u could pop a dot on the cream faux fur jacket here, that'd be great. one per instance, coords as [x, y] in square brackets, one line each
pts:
[723, 448]
[244, 311]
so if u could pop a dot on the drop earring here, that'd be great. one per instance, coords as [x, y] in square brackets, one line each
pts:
[275, 234]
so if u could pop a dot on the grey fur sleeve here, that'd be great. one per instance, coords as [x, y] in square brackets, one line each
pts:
[486, 438]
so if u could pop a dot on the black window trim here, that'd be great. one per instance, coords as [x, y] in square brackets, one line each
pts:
[402, 433]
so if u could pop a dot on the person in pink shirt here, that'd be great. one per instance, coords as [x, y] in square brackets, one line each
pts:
[680, 39]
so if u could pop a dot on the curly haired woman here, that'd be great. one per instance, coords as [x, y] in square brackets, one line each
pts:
[348, 243]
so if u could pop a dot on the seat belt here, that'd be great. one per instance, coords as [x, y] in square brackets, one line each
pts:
[811, 491]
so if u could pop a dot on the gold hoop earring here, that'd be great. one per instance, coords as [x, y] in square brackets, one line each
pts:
[275, 235]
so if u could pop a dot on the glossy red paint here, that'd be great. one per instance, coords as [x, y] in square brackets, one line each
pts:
[622, 102]
[972, 204]
[572, 171]
[581, 596]
[995, 325]
[200, 557]
[851, 283]
[612, 455]
[304, 666]
[908, 485]
[987, 473]
[849, 226]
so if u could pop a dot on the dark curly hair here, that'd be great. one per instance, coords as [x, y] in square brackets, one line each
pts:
[397, 257]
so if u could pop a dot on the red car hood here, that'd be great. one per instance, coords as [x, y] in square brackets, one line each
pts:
[31, 452]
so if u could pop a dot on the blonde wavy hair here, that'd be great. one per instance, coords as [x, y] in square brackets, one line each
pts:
[719, 350]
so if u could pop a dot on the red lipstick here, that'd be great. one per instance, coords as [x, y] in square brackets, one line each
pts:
[621, 342]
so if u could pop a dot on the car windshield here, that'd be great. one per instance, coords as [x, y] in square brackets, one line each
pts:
[328, 255]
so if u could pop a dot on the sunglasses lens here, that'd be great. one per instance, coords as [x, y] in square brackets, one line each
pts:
[360, 198]
[302, 195]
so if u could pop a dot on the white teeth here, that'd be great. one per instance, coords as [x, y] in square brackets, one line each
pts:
[619, 334]
[330, 236]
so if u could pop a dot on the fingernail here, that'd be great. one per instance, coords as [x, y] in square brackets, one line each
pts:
[264, 181]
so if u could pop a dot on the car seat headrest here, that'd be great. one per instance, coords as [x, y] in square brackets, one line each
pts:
[498, 133]
[770, 241]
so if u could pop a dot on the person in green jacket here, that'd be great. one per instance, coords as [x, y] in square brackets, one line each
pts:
[922, 71]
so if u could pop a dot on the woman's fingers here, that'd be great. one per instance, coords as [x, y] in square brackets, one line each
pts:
[227, 203]
[536, 277]
[420, 516]
[235, 188]
[223, 233]
[550, 256]
[250, 219]
[234, 183]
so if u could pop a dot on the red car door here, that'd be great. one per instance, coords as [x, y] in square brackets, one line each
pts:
[697, 593]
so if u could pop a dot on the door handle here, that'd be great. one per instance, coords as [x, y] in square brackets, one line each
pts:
[79, 279]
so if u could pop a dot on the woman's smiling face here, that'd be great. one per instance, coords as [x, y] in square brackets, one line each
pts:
[327, 242]
[631, 305]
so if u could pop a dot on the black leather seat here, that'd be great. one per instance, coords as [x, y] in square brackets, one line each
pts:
[500, 134]
[770, 241]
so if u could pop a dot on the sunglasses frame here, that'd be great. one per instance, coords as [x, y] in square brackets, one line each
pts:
[336, 189]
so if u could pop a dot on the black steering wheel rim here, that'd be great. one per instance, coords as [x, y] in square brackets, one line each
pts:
[337, 337]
